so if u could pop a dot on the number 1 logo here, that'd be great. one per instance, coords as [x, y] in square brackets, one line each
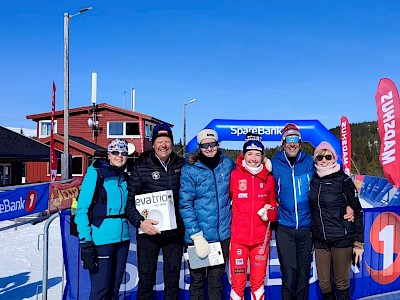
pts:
[31, 198]
[385, 240]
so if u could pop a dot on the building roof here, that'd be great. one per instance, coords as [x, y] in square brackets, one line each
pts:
[17, 147]
[100, 107]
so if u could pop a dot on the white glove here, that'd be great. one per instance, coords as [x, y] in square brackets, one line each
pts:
[263, 214]
[200, 244]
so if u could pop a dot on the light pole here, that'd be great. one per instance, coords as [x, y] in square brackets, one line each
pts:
[184, 124]
[65, 156]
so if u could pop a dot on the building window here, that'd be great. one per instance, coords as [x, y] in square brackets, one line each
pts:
[5, 174]
[123, 129]
[77, 165]
[149, 130]
[45, 128]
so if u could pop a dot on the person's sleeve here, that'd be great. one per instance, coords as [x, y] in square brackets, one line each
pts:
[350, 191]
[135, 187]
[84, 201]
[233, 187]
[272, 214]
[187, 196]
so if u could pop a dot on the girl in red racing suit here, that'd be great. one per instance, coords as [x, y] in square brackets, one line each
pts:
[254, 206]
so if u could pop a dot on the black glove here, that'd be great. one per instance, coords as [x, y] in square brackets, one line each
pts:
[89, 256]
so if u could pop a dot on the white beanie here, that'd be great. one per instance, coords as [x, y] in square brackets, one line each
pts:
[207, 134]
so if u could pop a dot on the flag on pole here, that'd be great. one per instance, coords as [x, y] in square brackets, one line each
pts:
[53, 155]
[388, 110]
[345, 141]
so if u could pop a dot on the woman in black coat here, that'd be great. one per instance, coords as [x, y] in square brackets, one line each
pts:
[336, 240]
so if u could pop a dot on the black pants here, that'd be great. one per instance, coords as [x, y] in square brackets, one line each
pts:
[295, 255]
[148, 249]
[105, 283]
[214, 278]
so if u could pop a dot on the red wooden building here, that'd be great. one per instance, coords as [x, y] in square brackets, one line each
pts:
[90, 130]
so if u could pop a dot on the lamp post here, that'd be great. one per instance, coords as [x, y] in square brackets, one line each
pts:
[184, 124]
[65, 156]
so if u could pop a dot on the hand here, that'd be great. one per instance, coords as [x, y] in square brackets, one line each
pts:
[262, 213]
[148, 227]
[200, 244]
[357, 254]
[89, 256]
[349, 216]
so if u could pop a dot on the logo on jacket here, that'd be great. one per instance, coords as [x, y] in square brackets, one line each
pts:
[243, 195]
[155, 175]
[261, 185]
[242, 184]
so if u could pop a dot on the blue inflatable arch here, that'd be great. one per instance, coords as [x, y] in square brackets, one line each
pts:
[312, 131]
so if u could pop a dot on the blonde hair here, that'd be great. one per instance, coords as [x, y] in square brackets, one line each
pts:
[322, 152]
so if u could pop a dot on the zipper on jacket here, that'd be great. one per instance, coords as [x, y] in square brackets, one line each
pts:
[295, 198]
[216, 193]
[320, 210]
[121, 194]
[252, 208]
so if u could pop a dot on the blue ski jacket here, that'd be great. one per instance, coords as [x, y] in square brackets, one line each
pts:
[205, 204]
[292, 184]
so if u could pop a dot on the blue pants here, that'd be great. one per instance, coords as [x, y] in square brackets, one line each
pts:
[105, 283]
[295, 255]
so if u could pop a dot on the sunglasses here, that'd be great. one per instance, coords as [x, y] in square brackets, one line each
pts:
[295, 139]
[116, 153]
[321, 157]
[206, 145]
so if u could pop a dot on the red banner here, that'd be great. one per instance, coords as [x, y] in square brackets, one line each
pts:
[388, 110]
[61, 194]
[345, 140]
[53, 155]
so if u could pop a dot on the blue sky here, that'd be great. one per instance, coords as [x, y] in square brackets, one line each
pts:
[240, 59]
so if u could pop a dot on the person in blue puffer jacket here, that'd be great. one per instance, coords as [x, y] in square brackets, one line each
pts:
[206, 210]
[102, 225]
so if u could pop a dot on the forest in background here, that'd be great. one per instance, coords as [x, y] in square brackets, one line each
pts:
[365, 149]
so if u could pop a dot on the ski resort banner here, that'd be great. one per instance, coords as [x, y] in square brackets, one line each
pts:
[312, 131]
[388, 110]
[23, 201]
[379, 272]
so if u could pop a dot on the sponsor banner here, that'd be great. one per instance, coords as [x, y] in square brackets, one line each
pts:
[388, 111]
[78, 282]
[24, 201]
[379, 271]
[62, 194]
[345, 141]
[312, 131]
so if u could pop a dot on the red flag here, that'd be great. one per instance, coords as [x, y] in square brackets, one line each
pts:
[53, 155]
[388, 110]
[345, 139]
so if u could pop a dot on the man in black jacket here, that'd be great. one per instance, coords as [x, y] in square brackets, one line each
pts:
[157, 170]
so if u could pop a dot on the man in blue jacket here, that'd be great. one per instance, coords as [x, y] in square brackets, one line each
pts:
[293, 171]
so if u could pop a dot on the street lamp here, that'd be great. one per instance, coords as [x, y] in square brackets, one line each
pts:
[65, 156]
[184, 124]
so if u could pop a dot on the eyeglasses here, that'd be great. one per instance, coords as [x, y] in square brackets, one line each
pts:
[206, 145]
[116, 153]
[294, 138]
[321, 157]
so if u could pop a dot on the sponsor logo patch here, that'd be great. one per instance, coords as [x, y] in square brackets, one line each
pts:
[242, 185]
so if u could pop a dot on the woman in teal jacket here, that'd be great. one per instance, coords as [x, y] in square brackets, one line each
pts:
[102, 224]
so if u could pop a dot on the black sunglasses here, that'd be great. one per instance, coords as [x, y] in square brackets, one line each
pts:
[116, 153]
[206, 145]
[321, 157]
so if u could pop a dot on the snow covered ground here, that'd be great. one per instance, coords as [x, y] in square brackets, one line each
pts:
[21, 262]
